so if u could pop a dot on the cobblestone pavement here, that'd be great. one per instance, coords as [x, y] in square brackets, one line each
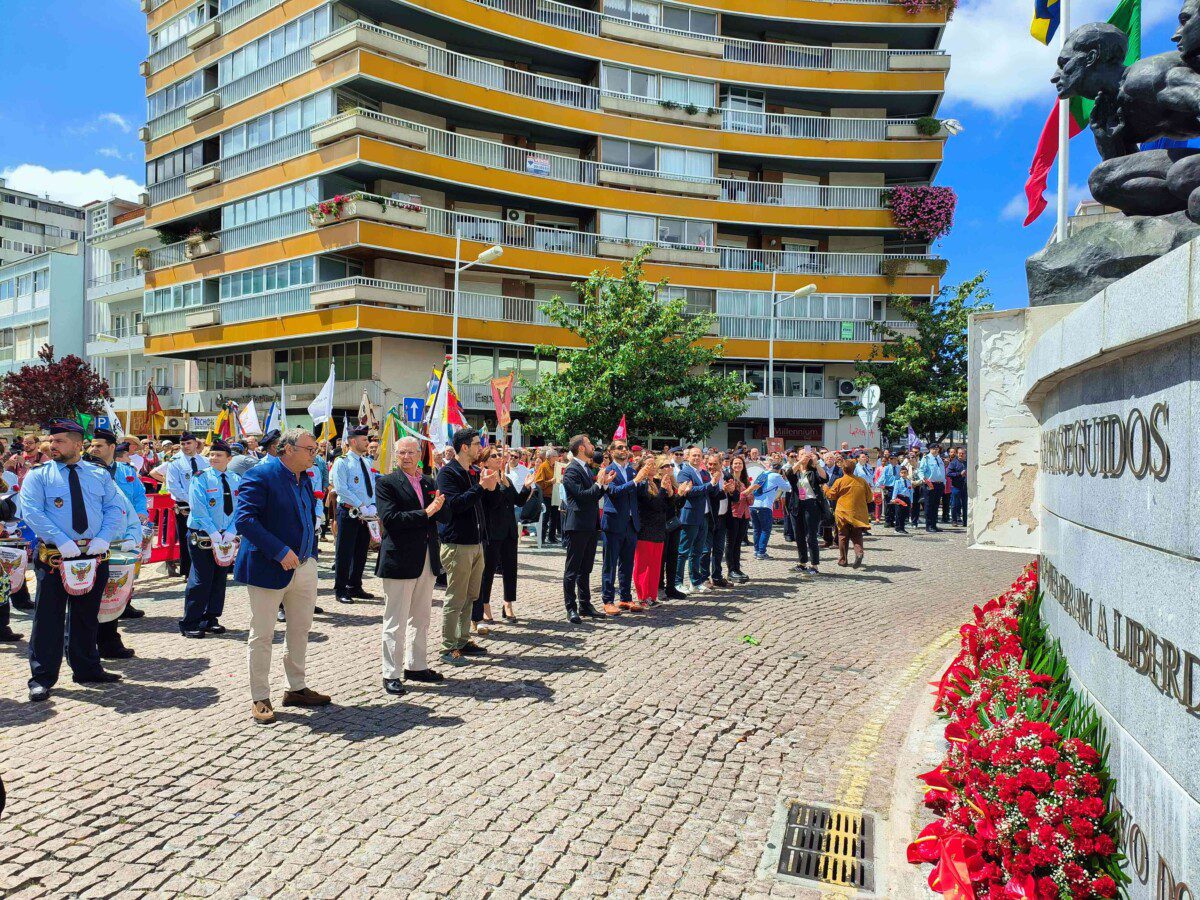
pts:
[643, 756]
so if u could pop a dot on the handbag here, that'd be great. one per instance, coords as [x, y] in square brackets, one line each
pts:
[673, 524]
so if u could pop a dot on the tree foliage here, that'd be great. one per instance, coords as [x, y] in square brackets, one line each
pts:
[51, 389]
[643, 357]
[922, 377]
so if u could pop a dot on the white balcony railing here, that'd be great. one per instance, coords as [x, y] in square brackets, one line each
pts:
[114, 284]
[765, 53]
[553, 240]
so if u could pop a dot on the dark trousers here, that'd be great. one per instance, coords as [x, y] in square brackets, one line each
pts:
[808, 531]
[350, 553]
[577, 577]
[5, 606]
[185, 549]
[108, 638]
[499, 556]
[691, 547]
[714, 550]
[958, 505]
[204, 598]
[944, 497]
[933, 500]
[616, 573]
[889, 511]
[551, 523]
[918, 503]
[789, 525]
[735, 534]
[670, 559]
[60, 619]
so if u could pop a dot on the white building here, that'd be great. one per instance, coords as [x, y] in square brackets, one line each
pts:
[30, 224]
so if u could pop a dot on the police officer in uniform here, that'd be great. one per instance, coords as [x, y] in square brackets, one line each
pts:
[354, 482]
[64, 501]
[103, 453]
[213, 494]
[180, 472]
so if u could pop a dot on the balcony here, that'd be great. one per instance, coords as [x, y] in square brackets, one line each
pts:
[119, 343]
[225, 22]
[121, 285]
[792, 408]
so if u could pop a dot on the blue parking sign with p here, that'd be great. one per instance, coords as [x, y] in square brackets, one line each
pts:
[414, 409]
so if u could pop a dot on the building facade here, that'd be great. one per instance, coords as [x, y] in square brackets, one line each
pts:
[32, 225]
[749, 144]
[115, 290]
[41, 302]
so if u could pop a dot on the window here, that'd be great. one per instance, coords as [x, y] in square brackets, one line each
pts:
[686, 231]
[182, 25]
[681, 18]
[179, 296]
[175, 95]
[283, 121]
[619, 80]
[279, 43]
[118, 379]
[310, 365]
[278, 277]
[222, 373]
[691, 163]
[628, 154]
[627, 226]
[272, 203]
[176, 163]
[662, 160]
[687, 90]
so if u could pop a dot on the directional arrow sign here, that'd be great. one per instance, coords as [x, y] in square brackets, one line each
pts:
[870, 397]
[868, 417]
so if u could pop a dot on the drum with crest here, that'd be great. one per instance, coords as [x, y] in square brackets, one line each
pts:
[122, 568]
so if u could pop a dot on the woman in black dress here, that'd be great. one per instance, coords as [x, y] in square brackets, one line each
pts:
[500, 552]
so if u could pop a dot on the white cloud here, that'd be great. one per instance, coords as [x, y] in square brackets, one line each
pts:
[998, 67]
[112, 118]
[111, 152]
[1018, 207]
[68, 185]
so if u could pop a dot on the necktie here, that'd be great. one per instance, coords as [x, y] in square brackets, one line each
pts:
[79, 519]
[366, 477]
[228, 495]
[195, 465]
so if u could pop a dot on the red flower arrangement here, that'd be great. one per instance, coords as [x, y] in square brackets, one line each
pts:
[921, 212]
[1023, 804]
[912, 7]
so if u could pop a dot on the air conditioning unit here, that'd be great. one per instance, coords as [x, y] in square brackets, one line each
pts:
[516, 216]
[173, 423]
[846, 389]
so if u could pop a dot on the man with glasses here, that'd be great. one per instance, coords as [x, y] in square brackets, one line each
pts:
[275, 515]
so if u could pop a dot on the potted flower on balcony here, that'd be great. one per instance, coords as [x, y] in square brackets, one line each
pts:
[394, 211]
[200, 242]
[921, 212]
[327, 211]
[141, 258]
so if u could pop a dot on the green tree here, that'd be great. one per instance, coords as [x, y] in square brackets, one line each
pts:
[922, 377]
[643, 357]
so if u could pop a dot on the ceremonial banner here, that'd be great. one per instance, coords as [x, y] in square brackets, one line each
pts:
[114, 420]
[321, 408]
[154, 411]
[366, 412]
[248, 419]
[621, 434]
[502, 396]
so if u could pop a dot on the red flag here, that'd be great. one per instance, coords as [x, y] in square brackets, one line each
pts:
[1043, 159]
[502, 395]
[154, 410]
[620, 434]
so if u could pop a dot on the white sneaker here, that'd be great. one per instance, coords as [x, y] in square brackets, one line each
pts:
[684, 588]
[701, 588]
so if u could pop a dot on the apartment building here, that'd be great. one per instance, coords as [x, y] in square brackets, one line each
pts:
[115, 288]
[41, 302]
[31, 225]
[750, 144]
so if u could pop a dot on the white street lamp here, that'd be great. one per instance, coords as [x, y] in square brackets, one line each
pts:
[483, 258]
[799, 292]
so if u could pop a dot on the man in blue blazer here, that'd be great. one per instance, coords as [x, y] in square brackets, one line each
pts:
[696, 487]
[275, 517]
[620, 526]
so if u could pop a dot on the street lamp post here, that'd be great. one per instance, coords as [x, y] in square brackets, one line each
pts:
[775, 301]
[486, 256]
[107, 338]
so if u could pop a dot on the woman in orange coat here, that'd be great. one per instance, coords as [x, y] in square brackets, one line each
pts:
[851, 494]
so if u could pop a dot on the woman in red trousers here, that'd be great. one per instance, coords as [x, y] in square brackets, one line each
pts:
[655, 508]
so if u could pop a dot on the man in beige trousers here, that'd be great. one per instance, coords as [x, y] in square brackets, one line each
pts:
[275, 516]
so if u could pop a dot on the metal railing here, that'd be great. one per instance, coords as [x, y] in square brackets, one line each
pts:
[763, 53]
[553, 240]
[230, 19]
[113, 277]
[269, 154]
[496, 155]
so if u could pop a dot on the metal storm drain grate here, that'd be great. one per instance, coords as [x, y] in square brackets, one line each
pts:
[829, 845]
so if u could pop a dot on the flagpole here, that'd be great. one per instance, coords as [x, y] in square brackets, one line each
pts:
[1064, 131]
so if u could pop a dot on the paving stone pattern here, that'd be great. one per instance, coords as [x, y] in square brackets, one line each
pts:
[644, 756]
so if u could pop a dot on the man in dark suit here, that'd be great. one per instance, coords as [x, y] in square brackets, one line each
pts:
[408, 502]
[275, 516]
[620, 526]
[581, 524]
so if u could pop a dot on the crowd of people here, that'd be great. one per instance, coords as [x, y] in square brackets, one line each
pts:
[667, 525]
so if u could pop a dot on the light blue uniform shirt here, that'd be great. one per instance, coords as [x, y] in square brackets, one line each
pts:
[46, 504]
[902, 489]
[179, 475]
[129, 484]
[773, 483]
[208, 502]
[932, 468]
[348, 479]
[890, 474]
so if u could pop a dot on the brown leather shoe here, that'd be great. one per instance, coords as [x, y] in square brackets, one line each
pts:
[637, 606]
[262, 712]
[611, 609]
[625, 605]
[304, 697]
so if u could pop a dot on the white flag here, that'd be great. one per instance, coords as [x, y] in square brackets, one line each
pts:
[366, 412]
[321, 409]
[248, 419]
[282, 424]
[114, 420]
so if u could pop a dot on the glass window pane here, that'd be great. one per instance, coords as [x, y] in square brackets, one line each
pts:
[641, 228]
[641, 156]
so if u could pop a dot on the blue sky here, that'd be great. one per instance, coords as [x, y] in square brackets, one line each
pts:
[72, 103]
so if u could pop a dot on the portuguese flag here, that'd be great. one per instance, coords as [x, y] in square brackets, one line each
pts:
[1127, 17]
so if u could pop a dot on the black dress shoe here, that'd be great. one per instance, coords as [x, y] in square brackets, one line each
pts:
[428, 676]
[721, 583]
[317, 611]
[393, 686]
[25, 605]
[470, 648]
[9, 636]
[574, 619]
[131, 613]
[346, 600]
[360, 594]
[100, 677]
[117, 651]
[591, 612]
[191, 632]
[215, 627]
[676, 595]
[37, 693]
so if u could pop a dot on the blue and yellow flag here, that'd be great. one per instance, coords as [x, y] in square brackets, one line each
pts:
[1045, 20]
